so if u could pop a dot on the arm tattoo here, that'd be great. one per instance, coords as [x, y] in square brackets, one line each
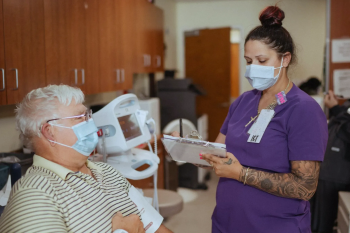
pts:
[301, 183]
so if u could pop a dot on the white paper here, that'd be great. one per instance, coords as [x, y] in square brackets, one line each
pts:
[151, 219]
[142, 116]
[260, 126]
[196, 140]
[189, 150]
[341, 82]
[341, 50]
[5, 192]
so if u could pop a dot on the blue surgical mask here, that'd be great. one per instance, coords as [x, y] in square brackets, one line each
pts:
[86, 133]
[262, 77]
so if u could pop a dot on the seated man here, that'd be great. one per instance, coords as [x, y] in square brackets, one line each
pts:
[63, 191]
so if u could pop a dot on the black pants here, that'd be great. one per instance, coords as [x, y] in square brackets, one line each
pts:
[324, 205]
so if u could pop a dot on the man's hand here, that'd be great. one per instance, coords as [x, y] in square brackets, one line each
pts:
[131, 223]
[330, 100]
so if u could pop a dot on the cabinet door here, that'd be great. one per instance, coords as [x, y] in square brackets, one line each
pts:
[158, 39]
[109, 46]
[24, 50]
[3, 99]
[92, 69]
[143, 35]
[127, 42]
[65, 42]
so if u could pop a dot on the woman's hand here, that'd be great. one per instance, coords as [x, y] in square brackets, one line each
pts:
[228, 167]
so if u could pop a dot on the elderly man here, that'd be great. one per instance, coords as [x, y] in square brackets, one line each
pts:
[63, 191]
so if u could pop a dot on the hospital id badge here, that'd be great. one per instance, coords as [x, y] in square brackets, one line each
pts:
[258, 129]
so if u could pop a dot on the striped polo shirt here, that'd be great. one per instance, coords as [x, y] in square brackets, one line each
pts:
[52, 198]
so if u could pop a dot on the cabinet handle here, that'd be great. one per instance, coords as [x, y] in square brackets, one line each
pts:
[145, 60]
[16, 70]
[123, 75]
[3, 80]
[82, 76]
[76, 76]
[149, 60]
[159, 61]
[118, 75]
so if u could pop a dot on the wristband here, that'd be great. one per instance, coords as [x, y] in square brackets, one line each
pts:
[246, 174]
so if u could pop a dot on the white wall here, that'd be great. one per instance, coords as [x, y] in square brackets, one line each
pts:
[169, 9]
[305, 20]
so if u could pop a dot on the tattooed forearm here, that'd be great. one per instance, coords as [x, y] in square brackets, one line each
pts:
[301, 183]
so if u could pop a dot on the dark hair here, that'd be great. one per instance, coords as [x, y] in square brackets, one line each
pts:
[272, 33]
[310, 86]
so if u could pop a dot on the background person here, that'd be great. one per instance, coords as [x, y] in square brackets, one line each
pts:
[312, 86]
[335, 169]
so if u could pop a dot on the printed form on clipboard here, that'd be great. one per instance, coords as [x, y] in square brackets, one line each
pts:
[188, 149]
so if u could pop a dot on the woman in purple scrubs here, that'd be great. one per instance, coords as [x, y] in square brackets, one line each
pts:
[271, 171]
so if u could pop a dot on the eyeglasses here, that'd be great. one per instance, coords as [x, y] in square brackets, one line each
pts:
[87, 116]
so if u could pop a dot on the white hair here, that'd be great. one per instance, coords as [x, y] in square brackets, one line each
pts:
[41, 105]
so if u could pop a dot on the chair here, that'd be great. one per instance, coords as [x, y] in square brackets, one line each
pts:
[13, 169]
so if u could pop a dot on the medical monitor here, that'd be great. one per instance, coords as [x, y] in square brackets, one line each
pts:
[130, 126]
[121, 124]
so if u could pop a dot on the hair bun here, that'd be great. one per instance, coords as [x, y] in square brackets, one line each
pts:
[271, 16]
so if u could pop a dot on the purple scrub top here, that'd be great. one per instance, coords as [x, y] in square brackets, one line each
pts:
[298, 131]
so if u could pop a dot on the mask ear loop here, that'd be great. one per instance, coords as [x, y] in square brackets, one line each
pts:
[60, 143]
[279, 67]
[60, 126]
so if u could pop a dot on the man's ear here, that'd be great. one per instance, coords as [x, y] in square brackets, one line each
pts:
[47, 132]
[286, 59]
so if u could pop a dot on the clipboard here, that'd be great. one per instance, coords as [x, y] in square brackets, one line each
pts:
[188, 149]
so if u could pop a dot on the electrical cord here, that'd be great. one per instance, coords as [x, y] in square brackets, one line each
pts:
[155, 175]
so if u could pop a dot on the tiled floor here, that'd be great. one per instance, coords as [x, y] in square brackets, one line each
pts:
[196, 215]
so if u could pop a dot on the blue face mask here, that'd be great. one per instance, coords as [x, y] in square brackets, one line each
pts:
[262, 77]
[86, 133]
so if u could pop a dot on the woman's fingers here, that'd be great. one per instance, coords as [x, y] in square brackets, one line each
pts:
[175, 134]
[211, 158]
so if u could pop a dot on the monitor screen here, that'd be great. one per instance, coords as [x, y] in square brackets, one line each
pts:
[130, 126]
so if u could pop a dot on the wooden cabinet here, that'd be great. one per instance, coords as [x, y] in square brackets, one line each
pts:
[70, 51]
[117, 44]
[144, 35]
[128, 41]
[91, 44]
[23, 35]
[3, 96]
[109, 61]
[158, 38]
[150, 47]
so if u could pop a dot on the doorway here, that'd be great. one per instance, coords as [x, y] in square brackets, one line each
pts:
[212, 61]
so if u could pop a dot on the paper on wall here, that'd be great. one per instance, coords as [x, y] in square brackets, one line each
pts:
[341, 50]
[151, 219]
[341, 82]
